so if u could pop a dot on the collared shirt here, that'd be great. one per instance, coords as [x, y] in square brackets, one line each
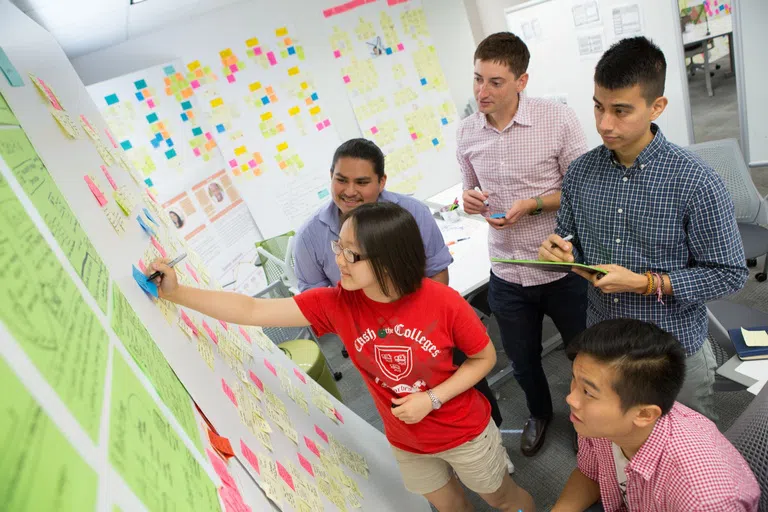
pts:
[668, 213]
[315, 263]
[528, 158]
[685, 465]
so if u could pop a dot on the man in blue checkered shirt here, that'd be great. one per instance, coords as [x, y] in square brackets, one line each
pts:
[652, 214]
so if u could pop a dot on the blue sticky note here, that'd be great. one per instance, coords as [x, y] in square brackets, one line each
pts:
[197, 131]
[435, 142]
[159, 137]
[111, 99]
[323, 194]
[389, 51]
[140, 96]
[220, 128]
[184, 117]
[155, 143]
[291, 50]
[140, 84]
[265, 100]
[498, 215]
[314, 96]
[126, 145]
[444, 121]
[169, 70]
[141, 280]
[169, 142]
[170, 154]
[186, 105]
[150, 217]
[148, 230]
[9, 70]
[423, 81]
[152, 118]
[149, 183]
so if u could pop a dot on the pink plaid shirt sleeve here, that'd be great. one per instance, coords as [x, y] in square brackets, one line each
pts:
[528, 158]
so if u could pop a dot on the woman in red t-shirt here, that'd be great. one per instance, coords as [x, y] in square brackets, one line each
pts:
[400, 329]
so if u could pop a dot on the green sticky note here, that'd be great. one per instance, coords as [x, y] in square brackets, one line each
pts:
[37, 182]
[6, 114]
[45, 313]
[41, 470]
[150, 359]
[149, 454]
[9, 70]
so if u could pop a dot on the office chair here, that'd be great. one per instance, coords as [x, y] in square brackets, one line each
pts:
[725, 157]
[749, 434]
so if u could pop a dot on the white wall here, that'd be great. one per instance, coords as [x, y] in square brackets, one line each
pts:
[447, 22]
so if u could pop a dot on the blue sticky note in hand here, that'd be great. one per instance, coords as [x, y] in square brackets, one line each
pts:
[498, 215]
[141, 280]
[148, 230]
[150, 217]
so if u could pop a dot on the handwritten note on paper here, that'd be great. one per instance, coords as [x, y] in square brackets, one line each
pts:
[34, 178]
[6, 114]
[150, 359]
[45, 312]
[36, 455]
[755, 338]
[148, 453]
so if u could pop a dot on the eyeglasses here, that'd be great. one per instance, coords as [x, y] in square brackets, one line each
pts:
[349, 254]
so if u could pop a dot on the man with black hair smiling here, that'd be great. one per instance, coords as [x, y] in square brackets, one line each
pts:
[639, 450]
[652, 214]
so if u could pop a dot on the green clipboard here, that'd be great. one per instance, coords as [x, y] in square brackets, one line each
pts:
[552, 266]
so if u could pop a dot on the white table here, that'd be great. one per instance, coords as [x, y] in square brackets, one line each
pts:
[719, 26]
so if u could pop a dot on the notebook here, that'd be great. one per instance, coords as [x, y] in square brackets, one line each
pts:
[747, 353]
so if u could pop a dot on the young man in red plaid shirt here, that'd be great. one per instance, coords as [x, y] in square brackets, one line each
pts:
[639, 449]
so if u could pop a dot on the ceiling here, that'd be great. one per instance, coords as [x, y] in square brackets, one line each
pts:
[84, 26]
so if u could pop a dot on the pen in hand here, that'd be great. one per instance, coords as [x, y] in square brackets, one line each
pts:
[567, 238]
[157, 273]
[485, 201]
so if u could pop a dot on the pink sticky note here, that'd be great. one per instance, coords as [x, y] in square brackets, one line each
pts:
[374, 130]
[252, 163]
[208, 135]
[270, 367]
[224, 325]
[195, 84]
[257, 51]
[109, 177]
[327, 123]
[233, 68]
[300, 375]
[159, 247]
[151, 103]
[256, 380]
[336, 53]
[346, 79]
[111, 138]
[95, 191]
[221, 468]
[250, 456]
[151, 196]
[414, 136]
[210, 332]
[196, 151]
[228, 391]
[311, 445]
[191, 270]
[322, 434]
[338, 415]
[230, 78]
[319, 126]
[189, 322]
[271, 58]
[400, 47]
[285, 475]
[306, 465]
[142, 267]
[245, 335]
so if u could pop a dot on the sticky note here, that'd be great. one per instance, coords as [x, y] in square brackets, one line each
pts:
[95, 191]
[270, 367]
[192, 272]
[336, 54]
[197, 131]
[312, 446]
[755, 338]
[193, 65]
[217, 102]
[265, 100]
[210, 332]
[285, 475]
[189, 322]
[280, 32]
[159, 247]
[314, 96]
[196, 151]
[186, 105]
[111, 99]
[148, 230]
[169, 142]
[314, 110]
[231, 78]
[327, 123]
[319, 126]
[142, 267]
[252, 163]
[321, 433]
[233, 163]
[444, 121]
[498, 215]
[338, 415]
[374, 130]
[224, 325]
[266, 116]
[256, 381]
[152, 118]
[9, 70]
[208, 136]
[241, 150]
[400, 47]
[306, 465]
[119, 200]
[254, 41]
[282, 146]
[169, 70]
[388, 51]
[151, 103]
[126, 145]
[250, 456]
[291, 50]
[141, 280]
[109, 177]
[221, 445]
[423, 81]
[171, 153]
[184, 117]
[435, 142]
[139, 96]
[293, 111]
[140, 84]
[245, 335]
[228, 391]
[414, 136]
[346, 79]
[257, 51]
[195, 84]
[299, 375]
[255, 86]
[271, 58]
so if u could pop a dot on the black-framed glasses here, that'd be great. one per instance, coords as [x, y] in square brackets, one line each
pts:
[349, 255]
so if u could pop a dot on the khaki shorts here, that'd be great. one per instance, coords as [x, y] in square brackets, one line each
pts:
[480, 464]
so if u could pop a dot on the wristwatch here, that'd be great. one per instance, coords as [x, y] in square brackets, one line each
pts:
[436, 403]
[539, 206]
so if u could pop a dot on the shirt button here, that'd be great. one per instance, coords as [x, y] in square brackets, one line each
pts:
[618, 240]
[624, 179]
[615, 300]
[642, 166]
[620, 210]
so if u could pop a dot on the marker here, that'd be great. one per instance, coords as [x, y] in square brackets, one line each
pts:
[485, 202]
[457, 241]
[157, 273]
[566, 238]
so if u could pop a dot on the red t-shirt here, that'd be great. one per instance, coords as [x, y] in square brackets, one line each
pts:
[415, 354]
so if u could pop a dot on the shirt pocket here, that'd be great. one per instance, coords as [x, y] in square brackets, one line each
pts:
[659, 231]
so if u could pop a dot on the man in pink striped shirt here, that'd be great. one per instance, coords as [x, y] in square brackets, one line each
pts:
[639, 449]
[513, 154]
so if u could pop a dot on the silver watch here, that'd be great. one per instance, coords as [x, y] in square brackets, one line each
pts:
[436, 403]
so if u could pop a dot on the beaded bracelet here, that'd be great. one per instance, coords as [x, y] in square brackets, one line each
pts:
[649, 289]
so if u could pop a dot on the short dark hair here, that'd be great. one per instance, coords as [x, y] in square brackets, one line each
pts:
[630, 62]
[649, 362]
[389, 237]
[362, 149]
[505, 48]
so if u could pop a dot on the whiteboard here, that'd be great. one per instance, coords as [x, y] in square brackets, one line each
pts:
[567, 37]
[31, 49]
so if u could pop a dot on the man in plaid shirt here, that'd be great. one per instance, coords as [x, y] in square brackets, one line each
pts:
[639, 450]
[513, 154]
[652, 214]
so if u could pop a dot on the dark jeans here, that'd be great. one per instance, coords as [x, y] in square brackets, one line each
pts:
[458, 359]
[519, 311]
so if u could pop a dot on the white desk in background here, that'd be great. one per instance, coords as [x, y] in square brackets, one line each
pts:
[719, 26]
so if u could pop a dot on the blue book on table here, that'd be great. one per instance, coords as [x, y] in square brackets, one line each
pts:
[747, 353]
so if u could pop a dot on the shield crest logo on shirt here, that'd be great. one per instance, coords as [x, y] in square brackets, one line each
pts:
[395, 362]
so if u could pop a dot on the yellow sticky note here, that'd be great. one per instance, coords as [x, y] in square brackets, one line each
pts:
[118, 199]
[266, 116]
[281, 32]
[255, 86]
[254, 41]
[225, 53]
[294, 110]
[193, 65]
[244, 167]
[304, 85]
[293, 71]
[314, 110]
[755, 338]
[217, 102]
[239, 151]
[282, 146]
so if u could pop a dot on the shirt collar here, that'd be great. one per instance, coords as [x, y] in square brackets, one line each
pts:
[655, 148]
[521, 117]
[647, 458]
[329, 214]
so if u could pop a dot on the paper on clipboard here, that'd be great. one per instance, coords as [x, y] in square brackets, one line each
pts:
[552, 266]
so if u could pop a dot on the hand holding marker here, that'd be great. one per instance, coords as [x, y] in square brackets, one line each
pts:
[173, 263]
